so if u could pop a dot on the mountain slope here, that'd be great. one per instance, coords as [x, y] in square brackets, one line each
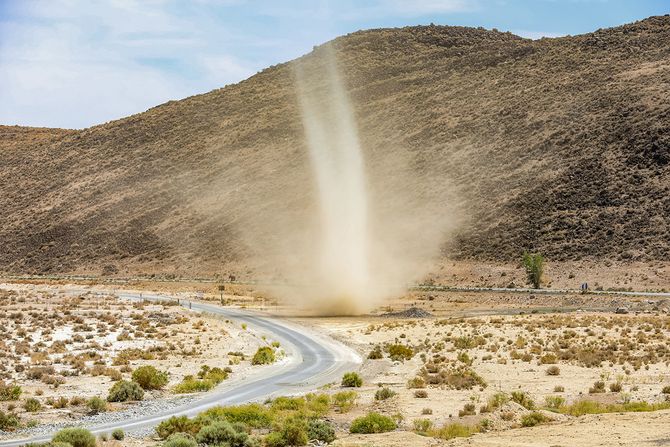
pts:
[557, 145]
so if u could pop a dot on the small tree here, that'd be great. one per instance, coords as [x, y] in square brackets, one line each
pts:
[534, 264]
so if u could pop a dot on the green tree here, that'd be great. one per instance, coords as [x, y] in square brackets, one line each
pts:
[534, 264]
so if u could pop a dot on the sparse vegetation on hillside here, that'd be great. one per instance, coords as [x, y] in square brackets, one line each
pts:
[523, 171]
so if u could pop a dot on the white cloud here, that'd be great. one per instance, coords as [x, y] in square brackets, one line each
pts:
[75, 64]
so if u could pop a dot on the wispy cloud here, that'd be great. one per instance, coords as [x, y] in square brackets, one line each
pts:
[73, 64]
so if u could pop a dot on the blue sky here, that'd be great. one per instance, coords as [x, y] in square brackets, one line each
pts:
[76, 63]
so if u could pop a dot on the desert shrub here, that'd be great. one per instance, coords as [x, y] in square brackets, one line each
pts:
[96, 405]
[548, 359]
[554, 402]
[319, 404]
[666, 389]
[416, 382]
[36, 372]
[284, 403]
[422, 426]
[61, 402]
[421, 394]
[292, 432]
[344, 400]
[463, 378]
[252, 415]
[559, 389]
[352, 380]
[553, 370]
[582, 407]
[321, 431]
[534, 265]
[376, 353]
[176, 424]
[400, 352]
[264, 356]
[32, 405]
[598, 387]
[469, 409]
[215, 375]
[372, 423]
[523, 399]
[534, 418]
[384, 393]
[76, 437]
[497, 400]
[180, 440]
[124, 391]
[454, 430]
[224, 433]
[616, 387]
[9, 392]
[149, 378]
[9, 421]
[192, 385]
[118, 434]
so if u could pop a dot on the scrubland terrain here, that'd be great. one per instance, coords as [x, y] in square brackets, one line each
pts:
[485, 369]
[62, 350]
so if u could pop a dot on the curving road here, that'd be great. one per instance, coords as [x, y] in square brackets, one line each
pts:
[312, 360]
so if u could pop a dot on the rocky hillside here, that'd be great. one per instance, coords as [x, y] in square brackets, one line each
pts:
[556, 145]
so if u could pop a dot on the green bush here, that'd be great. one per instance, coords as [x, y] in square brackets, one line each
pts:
[124, 391]
[372, 423]
[118, 434]
[252, 415]
[264, 356]
[422, 426]
[76, 437]
[384, 393]
[376, 353]
[9, 421]
[533, 419]
[321, 431]
[149, 378]
[224, 433]
[534, 265]
[32, 405]
[319, 404]
[176, 424]
[96, 405]
[192, 385]
[9, 392]
[554, 402]
[523, 399]
[344, 400]
[455, 430]
[352, 380]
[180, 440]
[293, 432]
[400, 352]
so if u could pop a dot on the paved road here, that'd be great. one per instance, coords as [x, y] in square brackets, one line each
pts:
[313, 360]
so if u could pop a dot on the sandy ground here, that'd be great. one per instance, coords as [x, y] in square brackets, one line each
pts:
[49, 328]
